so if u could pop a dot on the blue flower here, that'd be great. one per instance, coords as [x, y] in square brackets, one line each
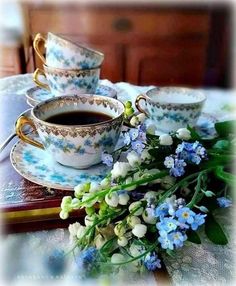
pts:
[177, 238]
[87, 258]
[199, 219]
[185, 215]
[137, 146]
[178, 169]
[162, 210]
[56, 262]
[224, 202]
[127, 139]
[167, 224]
[169, 162]
[133, 133]
[152, 262]
[166, 243]
[107, 159]
[177, 172]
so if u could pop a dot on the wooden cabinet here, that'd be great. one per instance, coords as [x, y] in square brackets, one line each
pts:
[142, 44]
[11, 59]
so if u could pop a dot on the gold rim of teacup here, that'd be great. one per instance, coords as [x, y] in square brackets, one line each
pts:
[66, 41]
[85, 126]
[175, 104]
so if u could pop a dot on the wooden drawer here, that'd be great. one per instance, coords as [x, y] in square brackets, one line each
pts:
[124, 23]
[8, 56]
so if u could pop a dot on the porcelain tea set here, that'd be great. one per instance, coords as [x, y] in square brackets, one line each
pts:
[72, 78]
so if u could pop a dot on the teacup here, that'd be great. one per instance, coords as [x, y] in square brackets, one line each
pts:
[171, 108]
[61, 82]
[77, 145]
[61, 53]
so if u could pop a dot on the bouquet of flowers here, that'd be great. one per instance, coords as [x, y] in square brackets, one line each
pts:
[159, 192]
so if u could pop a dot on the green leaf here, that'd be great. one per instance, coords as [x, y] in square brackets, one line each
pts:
[225, 176]
[194, 134]
[193, 237]
[222, 145]
[225, 128]
[214, 231]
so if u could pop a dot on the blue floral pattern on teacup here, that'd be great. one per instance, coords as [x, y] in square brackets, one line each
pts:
[64, 54]
[88, 147]
[63, 82]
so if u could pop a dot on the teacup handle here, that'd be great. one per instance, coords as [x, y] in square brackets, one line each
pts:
[39, 38]
[38, 72]
[140, 109]
[23, 120]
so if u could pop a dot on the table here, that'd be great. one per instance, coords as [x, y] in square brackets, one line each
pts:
[24, 254]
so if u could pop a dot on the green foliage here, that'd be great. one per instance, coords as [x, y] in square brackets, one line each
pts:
[193, 237]
[225, 128]
[214, 231]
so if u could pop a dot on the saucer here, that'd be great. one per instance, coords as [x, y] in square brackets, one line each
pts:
[37, 94]
[38, 167]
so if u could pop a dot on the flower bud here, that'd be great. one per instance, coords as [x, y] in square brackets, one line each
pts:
[123, 199]
[66, 201]
[139, 230]
[133, 220]
[133, 159]
[63, 214]
[145, 156]
[120, 169]
[138, 206]
[150, 196]
[117, 258]
[122, 241]
[141, 118]
[209, 194]
[89, 220]
[128, 181]
[112, 199]
[183, 133]
[148, 216]
[119, 230]
[99, 241]
[134, 121]
[151, 128]
[81, 231]
[203, 209]
[73, 228]
[165, 140]
[105, 183]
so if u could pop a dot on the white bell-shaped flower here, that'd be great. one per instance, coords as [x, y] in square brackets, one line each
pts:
[165, 139]
[183, 134]
[123, 199]
[112, 199]
[138, 206]
[122, 241]
[120, 169]
[133, 159]
[139, 230]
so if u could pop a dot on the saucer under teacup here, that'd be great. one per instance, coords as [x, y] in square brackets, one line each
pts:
[37, 166]
[37, 94]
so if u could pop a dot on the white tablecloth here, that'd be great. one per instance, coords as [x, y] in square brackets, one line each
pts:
[206, 264]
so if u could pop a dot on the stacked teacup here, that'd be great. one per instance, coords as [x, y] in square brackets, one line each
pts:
[69, 68]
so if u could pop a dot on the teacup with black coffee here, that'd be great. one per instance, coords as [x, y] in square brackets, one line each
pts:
[76, 129]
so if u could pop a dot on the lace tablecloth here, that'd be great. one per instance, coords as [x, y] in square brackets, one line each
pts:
[24, 255]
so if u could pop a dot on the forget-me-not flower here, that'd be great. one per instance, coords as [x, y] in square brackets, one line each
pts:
[224, 202]
[152, 262]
